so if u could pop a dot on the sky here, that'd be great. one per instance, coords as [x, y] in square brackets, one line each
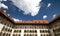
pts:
[31, 9]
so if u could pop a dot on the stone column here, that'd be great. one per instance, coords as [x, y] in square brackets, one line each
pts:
[51, 32]
[1, 26]
[22, 32]
[38, 32]
[12, 32]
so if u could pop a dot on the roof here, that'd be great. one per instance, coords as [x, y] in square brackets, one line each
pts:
[26, 22]
[55, 19]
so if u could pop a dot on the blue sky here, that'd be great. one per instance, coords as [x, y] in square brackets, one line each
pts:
[48, 10]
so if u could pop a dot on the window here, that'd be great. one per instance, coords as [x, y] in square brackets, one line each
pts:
[44, 31]
[4, 21]
[30, 34]
[1, 19]
[16, 35]
[17, 31]
[30, 31]
[6, 29]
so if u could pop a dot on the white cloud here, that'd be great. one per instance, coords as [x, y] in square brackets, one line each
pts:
[0, 0]
[0, 4]
[49, 4]
[16, 19]
[28, 6]
[3, 0]
[45, 16]
[54, 15]
[4, 6]
[4, 10]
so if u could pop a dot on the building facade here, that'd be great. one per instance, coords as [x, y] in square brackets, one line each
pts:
[55, 26]
[9, 27]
